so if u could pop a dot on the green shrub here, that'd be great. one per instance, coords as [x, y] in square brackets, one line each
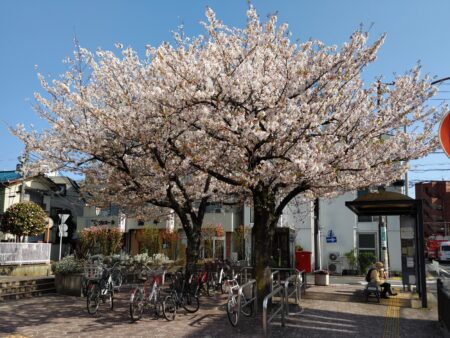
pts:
[352, 259]
[24, 219]
[68, 265]
[365, 260]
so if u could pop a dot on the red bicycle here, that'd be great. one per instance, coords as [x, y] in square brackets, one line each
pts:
[142, 297]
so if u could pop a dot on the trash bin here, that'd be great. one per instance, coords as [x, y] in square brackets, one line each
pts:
[303, 261]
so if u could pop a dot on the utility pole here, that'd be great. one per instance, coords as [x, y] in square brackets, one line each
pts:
[23, 159]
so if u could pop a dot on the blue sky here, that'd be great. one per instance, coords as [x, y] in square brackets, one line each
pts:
[41, 33]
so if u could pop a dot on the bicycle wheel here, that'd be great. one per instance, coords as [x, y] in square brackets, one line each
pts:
[169, 308]
[190, 302]
[136, 305]
[93, 298]
[247, 310]
[232, 310]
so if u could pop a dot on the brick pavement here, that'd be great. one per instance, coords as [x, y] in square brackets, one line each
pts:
[64, 316]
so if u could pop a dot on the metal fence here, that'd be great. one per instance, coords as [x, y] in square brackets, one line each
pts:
[443, 295]
[24, 253]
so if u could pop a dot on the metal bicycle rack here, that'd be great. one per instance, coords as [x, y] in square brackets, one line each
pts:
[297, 291]
[273, 282]
[254, 297]
[279, 290]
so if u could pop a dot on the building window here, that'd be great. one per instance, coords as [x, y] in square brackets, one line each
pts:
[367, 242]
[368, 218]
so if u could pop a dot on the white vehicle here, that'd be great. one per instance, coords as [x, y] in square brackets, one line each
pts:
[444, 251]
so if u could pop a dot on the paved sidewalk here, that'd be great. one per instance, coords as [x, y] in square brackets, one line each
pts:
[63, 316]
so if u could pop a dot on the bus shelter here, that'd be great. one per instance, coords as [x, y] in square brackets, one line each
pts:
[387, 203]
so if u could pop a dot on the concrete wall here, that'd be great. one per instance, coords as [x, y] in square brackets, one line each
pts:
[26, 270]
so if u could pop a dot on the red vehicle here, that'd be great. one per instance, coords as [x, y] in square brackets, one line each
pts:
[432, 248]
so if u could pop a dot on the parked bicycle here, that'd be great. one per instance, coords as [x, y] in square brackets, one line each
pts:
[142, 298]
[204, 284]
[181, 295]
[99, 287]
[233, 308]
[116, 276]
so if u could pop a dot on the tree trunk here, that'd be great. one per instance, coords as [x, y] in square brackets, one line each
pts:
[193, 249]
[262, 235]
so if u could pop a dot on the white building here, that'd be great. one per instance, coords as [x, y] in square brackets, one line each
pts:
[339, 231]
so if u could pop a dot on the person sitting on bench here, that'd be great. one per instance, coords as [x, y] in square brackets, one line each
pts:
[377, 276]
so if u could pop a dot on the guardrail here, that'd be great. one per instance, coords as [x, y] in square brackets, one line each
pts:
[24, 253]
[266, 320]
[443, 296]
[251, 298]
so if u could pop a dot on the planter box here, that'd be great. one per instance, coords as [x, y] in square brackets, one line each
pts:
[69, 284]
[322, 279]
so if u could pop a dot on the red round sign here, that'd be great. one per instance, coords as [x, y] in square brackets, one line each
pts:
[444, 134]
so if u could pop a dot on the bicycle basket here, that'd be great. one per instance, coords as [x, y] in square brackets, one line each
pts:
[93, 271]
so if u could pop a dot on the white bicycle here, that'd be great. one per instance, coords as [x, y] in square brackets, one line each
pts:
[233, 309]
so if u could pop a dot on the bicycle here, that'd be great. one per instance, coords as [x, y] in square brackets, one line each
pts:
[180, 295]
[116, 276]
[99, 286]
[141, 298]
[204, 284]
[232, 303]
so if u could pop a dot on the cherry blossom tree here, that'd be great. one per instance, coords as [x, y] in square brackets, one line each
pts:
[104, 125]
[279, 119]
[246, 107]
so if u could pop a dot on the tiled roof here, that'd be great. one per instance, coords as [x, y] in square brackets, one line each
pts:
[9, 175]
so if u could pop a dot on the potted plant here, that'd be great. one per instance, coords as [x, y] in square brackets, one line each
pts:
[298, 247]
[68, 276]
[322, 277]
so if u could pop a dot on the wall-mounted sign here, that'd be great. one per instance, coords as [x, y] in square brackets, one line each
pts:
[331, 237]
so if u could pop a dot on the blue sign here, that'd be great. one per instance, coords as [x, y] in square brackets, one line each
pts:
[331, 237]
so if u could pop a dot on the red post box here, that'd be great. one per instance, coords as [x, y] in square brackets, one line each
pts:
[303, 261]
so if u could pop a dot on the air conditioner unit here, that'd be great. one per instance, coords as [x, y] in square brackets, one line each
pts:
[335, 268]
[334, 256]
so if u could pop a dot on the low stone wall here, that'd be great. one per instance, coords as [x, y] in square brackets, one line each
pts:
[26, 270]
[69, 284]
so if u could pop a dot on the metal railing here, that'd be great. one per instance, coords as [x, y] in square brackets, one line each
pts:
[296, 280]
[279, 290]
[24, 253]
[274, 283]
[443, 295]
[249, 298]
